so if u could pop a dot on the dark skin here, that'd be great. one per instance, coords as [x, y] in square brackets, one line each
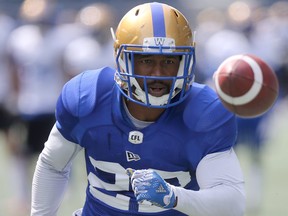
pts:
[153, 65]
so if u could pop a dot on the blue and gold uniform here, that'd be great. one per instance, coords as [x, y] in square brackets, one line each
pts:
[90, 112]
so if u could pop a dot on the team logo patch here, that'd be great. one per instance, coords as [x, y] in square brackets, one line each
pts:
[151, 42]
[131, 156]
[135, 137]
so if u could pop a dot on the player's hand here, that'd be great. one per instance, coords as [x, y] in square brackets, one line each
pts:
[149, 186]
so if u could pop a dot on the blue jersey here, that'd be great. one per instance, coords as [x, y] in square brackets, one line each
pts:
[90, 113]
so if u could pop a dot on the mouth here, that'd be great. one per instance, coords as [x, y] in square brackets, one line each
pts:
[158, 89]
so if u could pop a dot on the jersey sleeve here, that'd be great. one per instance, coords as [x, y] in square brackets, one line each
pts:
[51, 174]
[211, 120]
[69, 108]
[78, 98]
[205, 112]
[221, 191]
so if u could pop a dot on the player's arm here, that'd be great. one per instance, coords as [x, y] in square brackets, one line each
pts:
[221, 188]
[76, 100]
[51, 174]
[219, 174]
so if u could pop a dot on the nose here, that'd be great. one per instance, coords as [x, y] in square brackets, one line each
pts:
[158, 70]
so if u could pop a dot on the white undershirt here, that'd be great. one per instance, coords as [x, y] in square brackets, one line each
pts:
[137, 123]
[219, 177]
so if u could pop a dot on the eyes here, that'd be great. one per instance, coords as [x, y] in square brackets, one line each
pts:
[149, 60]
[156, 65]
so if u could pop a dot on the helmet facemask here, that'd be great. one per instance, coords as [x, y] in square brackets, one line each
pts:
[126, 78]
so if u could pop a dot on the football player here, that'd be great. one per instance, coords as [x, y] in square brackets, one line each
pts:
[155, 142]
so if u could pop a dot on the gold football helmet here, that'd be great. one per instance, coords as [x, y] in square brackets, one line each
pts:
[154, 29]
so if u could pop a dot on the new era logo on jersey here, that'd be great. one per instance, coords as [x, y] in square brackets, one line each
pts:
[131, 156]
[135, 137]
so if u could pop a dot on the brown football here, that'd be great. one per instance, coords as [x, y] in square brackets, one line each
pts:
[246, 85]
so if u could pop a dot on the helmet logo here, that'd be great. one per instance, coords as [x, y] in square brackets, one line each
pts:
[158, 42]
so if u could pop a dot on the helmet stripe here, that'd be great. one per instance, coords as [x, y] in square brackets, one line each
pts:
[158, 21]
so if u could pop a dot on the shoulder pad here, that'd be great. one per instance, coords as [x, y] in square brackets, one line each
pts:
[82, 92]
[204, 110]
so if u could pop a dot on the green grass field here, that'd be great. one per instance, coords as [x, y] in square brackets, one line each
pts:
[275, 175]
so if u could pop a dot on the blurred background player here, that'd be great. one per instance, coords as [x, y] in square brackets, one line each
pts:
[93, 49]
[47, 48]
[7, 110]
[7, 24]
[36, 89]
[251, 135]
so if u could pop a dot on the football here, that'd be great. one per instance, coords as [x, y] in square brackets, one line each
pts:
[246, 85]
